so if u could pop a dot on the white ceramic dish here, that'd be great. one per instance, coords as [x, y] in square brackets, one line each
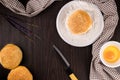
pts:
[112, 65]
[84, 39]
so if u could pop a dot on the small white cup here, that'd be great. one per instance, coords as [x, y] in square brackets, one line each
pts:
[112, 65]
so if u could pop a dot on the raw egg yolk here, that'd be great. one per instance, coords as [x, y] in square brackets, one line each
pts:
[111, 54]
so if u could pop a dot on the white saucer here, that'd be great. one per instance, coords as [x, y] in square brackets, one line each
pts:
[84, 39]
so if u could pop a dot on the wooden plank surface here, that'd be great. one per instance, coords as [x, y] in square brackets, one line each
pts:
[38, 55]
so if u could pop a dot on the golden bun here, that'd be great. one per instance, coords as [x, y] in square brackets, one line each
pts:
[79, 22]
[10, 56]
[20, 73]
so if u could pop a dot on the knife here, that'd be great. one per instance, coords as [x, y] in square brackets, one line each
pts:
[68, 70]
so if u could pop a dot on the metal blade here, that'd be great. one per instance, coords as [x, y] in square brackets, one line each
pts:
[61, 55]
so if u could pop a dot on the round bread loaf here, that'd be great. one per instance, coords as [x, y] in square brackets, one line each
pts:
[20, 73]
[10, 56]
[79, 22]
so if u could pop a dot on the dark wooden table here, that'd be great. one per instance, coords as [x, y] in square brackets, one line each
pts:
[38, 55]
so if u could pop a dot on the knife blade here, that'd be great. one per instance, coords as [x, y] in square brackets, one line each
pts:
[68, 70]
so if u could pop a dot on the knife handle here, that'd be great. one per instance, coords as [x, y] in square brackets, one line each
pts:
[73, 77]
[71, 74]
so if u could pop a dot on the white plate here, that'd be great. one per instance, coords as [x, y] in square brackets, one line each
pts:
[84, 39]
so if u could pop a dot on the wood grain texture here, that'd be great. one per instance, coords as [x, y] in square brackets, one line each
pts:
[38, 55]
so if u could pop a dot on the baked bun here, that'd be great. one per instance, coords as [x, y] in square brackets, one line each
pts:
[10, 56]
[20, 73]
[79, 22]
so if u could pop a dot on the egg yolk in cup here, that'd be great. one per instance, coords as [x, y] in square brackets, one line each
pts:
[111, 54]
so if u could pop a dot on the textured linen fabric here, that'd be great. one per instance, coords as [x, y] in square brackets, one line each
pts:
[32, 8]
[98, 71]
